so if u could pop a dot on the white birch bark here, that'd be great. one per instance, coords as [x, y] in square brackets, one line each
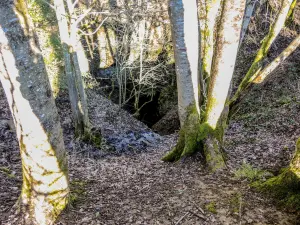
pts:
[227, 42]
[212, 10]
[262, 52]
[185, 36]
[224, 59]
[276, 62]
[24, 79]
[69, 39]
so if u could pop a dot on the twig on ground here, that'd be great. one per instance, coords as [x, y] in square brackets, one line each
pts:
[182, 218]
[199, 216]
[240, 210]
[198, 207]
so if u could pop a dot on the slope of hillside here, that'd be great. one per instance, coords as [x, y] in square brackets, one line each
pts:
[132, 185]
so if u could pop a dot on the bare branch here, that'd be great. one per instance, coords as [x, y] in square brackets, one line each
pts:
[94, 32]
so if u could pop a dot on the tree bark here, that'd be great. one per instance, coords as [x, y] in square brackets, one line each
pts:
[185, 35]
[46, 29]
[262, 52]
[228, 36]
[24, 78]
[212, 9]
[68, 35]
[250, 5]
[279, 59]
[208, 130]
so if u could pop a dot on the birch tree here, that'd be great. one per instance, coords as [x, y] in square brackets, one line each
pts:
[250, 6]
[212, 8]
[69, 40]
[24, 78]
[262, 52]
[202, 124]
[203, 121]
[263, 74]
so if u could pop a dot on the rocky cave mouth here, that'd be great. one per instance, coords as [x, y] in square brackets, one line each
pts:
[158, 111]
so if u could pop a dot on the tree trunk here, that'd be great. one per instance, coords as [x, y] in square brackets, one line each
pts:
[24, 78]
[185, 35]
[279, 59]
[212, 9]
[72, 69]
[250, 5]
[73, 46]
[209, 130]
[228, 36]
[262, 52]
[46, 28]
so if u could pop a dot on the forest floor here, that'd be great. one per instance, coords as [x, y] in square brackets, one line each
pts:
[131, 185]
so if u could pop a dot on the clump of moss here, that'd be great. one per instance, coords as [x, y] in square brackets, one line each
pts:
[211, 207]
[7, 172]
[96, 138]
[284, 188]
[78, 191]
[235, 202]
[247, 171]
[93, 137]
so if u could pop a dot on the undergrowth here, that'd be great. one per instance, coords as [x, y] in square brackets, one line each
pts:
[248, 172]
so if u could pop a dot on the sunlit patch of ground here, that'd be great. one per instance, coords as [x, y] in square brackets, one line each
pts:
[136, 187]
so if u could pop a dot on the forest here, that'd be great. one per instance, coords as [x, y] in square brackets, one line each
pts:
[170, 112]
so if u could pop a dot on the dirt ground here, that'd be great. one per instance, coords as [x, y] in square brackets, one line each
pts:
[136, 187]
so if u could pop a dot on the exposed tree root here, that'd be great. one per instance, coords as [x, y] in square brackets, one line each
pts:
[188, 141]
[213, 154]
[191, 139]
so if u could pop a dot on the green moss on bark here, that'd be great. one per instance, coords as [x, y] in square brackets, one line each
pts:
[213, 155]
[192, 137]
[189, 140]
[43, 16]
[284, 188]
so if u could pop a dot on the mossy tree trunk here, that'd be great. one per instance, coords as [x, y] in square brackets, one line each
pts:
[261, 54]
[46, 29]
[295, 164]
[228, 36]
[185, 35]
[69, 39]
[212, 9]
[285, 188]
[262, 75]
[206, 130]
[24, 78]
